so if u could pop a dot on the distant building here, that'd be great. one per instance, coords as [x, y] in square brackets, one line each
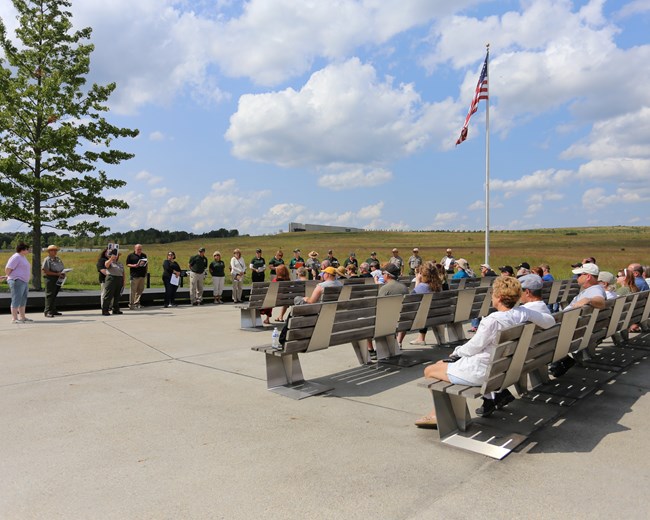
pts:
[297, 226]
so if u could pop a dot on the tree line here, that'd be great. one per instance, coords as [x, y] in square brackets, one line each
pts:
[9, 240]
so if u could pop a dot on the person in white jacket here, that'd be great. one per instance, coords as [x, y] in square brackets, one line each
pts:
[237, 271]
[474, 356]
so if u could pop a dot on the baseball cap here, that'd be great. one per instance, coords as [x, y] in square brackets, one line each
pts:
[487, 266]
[392, 270]
[374, 253]
[258, 250]
[525, 265]
[330, 270]
[507, 269]
[394, 250]
[591, 269]
[607, 277]
[531, 282]
[296, 250]
[415, 250]
[201, 249]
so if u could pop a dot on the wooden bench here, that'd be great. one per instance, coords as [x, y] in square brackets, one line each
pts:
[267, 295]
[319, 326]
[451, 401]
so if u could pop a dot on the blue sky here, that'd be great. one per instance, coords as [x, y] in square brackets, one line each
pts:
[255, 114]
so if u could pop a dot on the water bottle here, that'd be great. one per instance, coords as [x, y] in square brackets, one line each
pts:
[275, 338]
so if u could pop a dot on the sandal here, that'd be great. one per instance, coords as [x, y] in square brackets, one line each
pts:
[279, 320]
[427, 421]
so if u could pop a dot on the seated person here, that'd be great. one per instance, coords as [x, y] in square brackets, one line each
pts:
[473, 358]
[329, 280]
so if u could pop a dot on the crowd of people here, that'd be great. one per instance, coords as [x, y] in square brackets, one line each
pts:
[427, 276]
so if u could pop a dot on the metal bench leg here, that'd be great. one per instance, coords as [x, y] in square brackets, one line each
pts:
[284, 377]
[283, 370]
[361, 350]
[452, 413]
[386, 347]
[446, 334]
[250, 318]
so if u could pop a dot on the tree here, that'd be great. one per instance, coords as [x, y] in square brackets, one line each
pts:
[52, 134]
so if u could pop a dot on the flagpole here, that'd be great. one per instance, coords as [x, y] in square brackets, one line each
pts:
[487, 162]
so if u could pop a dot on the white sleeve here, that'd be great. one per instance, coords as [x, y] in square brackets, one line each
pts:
[484, 338]
[540, 319]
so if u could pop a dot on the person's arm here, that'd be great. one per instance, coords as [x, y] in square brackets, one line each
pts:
[315, 296]
[485, 337]
[597, 302]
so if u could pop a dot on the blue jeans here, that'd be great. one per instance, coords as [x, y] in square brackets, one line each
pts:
[19, 290]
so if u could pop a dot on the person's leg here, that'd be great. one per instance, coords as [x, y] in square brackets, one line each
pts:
[22, 304]
[139, 289]
[172, 297]
[438, 371]
[168, 292]
[102, 289]
[116, 295]
[109, 294]
[193, 287]
[199, 288]
[50, 288]
[221, 281]
[132, 289]
[284, 309]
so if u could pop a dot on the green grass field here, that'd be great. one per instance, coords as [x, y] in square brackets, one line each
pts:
[613, 248]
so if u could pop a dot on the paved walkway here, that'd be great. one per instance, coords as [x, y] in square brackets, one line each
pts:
[164, 414]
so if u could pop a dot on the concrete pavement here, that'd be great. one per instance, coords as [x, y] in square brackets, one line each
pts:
[164, 414]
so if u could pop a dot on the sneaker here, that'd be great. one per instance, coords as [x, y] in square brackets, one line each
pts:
[373, 354]
[559, 368]
[473, 330]
[417, 342]
[487, 409]
[195, 303]
[17, 321]
[57, 314]
[503, 398]
[25, 320]
[118, 312]
[106, 313]
[49, 315]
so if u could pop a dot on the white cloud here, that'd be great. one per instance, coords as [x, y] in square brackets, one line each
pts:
[539, 180]
[156, 136]
[160, 192]
[446, 219]
[344, 114]
[621, 170]
[355, 178]
[595, 199]
[149, 178]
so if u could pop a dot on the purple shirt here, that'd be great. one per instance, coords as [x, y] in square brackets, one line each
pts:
[19, 266]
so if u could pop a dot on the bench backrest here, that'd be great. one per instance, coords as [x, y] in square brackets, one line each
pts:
[350, 291]
[507, 358]
[321, 325]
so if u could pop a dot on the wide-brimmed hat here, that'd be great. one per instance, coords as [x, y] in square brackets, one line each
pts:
[313, 254]
[330, 270]
[52, 247]
[462, 263]
[392, 270]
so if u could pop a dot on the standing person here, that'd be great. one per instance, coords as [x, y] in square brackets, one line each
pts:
[237, 271]
[54, 276]
[258, 266]
[397, 260]
[296, 262]
[276, 261]
[137, 263]
[415, 261]
[170, 267]
[351, 259]
[198, 265]
[17, 271]
[313, 265]
[333, 261]
[218, 272]
[372, 258]
[101, 271]
[114, 285]
[448, 261]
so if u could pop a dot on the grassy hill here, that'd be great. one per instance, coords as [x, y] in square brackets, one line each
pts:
[613, 248]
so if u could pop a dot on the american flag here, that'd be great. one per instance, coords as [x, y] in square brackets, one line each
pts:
[481, 93]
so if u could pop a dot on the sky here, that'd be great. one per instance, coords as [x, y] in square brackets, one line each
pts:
[341, 112]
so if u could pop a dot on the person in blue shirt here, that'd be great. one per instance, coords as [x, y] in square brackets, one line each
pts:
[638, 276]
[464, 271]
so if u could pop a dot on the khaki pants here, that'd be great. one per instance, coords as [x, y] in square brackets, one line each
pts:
[196, 287]
[137, 288]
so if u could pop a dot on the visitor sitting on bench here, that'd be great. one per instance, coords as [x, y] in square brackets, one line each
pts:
[469, 362]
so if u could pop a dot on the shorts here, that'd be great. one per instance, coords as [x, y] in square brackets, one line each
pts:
[459, 380]
[19, 291]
